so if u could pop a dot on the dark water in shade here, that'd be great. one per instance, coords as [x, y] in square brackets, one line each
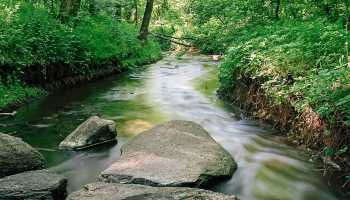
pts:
[170, 89]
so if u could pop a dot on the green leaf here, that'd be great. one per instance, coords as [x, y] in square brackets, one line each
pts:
[328, 152]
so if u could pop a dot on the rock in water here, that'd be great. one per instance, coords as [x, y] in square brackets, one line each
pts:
[92, 132]
[33, 185]
[17, 156]
[114, 191]
[177, 153]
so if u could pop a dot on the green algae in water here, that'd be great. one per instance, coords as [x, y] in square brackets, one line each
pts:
[208, 83]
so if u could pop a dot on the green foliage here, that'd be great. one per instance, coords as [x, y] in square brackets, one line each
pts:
[328, 152]
[17, 92]
[342, 151]
[312, 53]
[217, 22]
[165, 44]
[31, 39]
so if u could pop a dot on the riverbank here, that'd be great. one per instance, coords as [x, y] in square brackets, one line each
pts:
[306, 130]
[19, 93]
[39, 53]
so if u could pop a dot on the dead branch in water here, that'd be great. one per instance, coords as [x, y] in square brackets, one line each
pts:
[173, 41]
[172, 37]
[13, 114]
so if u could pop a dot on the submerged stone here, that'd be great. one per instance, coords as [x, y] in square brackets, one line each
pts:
[33, 185]
[92, 132]
[17, 156]
[114, 191]
[177, 153]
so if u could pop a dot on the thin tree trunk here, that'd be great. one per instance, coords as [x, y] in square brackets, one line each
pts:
[146, 20]
[118, 11]
[277, 10]
[92, 7]
[68, 9]
[136, 15]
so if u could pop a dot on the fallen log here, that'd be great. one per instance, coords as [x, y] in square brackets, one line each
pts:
[173, 41]
[177, 38]
[13, 114]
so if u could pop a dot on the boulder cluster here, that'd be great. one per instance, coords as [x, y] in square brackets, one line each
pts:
[170, 161]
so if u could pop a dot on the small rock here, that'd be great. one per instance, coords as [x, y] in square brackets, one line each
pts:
[177, 153]
[113, 191]
[33, 185]
[17, 156]
[92, 132]
[216, 57]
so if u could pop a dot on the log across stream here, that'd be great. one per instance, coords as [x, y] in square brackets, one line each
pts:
[181, 89]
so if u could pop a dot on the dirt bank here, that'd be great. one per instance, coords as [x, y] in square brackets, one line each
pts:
[303, 129]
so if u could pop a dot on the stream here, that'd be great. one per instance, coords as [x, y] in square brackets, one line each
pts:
[174, 88]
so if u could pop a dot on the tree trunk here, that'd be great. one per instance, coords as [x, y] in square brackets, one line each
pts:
[146, 20]
[136, 14]
[92, 7]
[118, 11]
[277, 10]
[68, 9]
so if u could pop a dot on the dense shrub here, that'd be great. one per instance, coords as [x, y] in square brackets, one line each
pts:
[31, 39]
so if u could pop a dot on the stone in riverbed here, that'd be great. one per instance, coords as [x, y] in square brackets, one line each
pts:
[33, 185]
[17, 156]
[177, 153]
[92, 132]
[116, 191]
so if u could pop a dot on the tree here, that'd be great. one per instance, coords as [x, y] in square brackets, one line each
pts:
[136, 13]
[69, 8]
[91, 8]
[118, 10]
[146, 20]
[277, 9]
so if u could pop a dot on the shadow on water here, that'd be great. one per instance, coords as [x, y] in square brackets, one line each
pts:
[170, 89]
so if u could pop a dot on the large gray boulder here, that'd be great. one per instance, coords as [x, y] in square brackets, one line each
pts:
[92, 132]
[17, 156]
[33, 185]
[177, 153]
[114, 191]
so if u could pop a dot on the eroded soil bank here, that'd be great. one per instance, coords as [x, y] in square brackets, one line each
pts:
[306, 130]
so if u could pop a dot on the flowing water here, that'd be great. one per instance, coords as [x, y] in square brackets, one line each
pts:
[174, 88]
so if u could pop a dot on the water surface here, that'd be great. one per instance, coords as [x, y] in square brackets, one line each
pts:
[170, 89]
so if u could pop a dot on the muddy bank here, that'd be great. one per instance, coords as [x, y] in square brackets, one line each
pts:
[305, 130]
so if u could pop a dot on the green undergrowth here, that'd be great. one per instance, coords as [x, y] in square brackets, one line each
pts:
[33, 40]
[302, 62]
[17, 92]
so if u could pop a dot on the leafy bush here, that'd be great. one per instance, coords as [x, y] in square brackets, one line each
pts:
[310, 53]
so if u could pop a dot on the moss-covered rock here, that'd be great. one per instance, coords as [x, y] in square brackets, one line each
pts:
[17, 156]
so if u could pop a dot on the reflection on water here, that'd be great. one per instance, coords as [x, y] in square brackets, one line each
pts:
[171, 89]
